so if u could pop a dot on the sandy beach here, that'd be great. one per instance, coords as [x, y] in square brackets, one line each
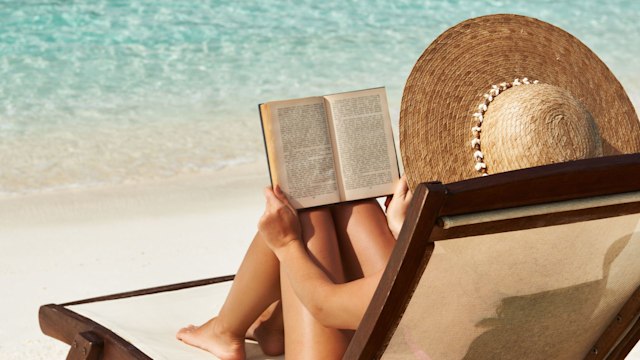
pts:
[69, 245]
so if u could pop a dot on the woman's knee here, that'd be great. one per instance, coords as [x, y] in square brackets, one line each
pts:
[317, 226]
[314, 217]
[343, 213]
[349, 206]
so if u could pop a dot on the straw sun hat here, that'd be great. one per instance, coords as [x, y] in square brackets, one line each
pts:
[503, 92]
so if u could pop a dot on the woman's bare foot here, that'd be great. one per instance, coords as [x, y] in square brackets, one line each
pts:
[212, 337]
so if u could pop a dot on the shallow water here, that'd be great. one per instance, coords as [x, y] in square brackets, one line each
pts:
[106, 92]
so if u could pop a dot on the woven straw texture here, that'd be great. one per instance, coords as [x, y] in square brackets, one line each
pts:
[536, 125]
[449, 79]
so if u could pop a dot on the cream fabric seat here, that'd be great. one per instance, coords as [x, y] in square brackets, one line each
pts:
[544, 293]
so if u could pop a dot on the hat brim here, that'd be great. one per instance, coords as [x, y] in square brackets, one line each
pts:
[449, 79]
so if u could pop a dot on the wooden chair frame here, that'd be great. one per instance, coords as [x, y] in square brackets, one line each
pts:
[432, 201]
[533, 186]
[90, 340]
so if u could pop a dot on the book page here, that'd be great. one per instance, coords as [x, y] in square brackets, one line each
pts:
[303, 158]
[367, 159]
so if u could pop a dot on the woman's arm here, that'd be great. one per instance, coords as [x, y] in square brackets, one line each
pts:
[339, 306]
[334, 305]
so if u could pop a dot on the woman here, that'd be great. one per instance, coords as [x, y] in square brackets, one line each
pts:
[299, 259]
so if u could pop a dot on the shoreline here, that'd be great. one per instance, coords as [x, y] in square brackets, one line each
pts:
[175, 195]
[74, 244]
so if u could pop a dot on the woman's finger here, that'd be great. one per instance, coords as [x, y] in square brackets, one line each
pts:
[401, 188]
[280, 194]
[388, 201]
[283, 198]
[272, 199]
[278, 191]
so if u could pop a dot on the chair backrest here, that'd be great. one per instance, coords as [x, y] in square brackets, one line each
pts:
[538, 263]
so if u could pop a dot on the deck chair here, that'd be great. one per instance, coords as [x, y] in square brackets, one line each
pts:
[539, 263]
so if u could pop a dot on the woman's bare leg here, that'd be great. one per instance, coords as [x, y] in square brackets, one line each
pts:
[305, 337]
[364, 237]
[257, 284]
[268, 330]
[255, 287]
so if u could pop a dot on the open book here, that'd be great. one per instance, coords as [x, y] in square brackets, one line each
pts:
[329, 149]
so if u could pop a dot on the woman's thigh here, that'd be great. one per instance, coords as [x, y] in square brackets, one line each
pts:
[306, 338]
[364, 237]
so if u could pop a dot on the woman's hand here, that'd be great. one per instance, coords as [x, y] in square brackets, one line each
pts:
[279, 225]
[397, 208]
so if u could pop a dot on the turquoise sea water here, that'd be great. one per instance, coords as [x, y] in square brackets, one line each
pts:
[106, 92]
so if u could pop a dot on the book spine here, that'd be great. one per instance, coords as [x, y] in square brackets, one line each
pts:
[264, 138]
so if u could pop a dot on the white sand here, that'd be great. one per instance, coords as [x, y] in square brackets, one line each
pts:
[71, 245]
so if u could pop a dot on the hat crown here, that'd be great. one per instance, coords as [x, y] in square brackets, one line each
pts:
[538, 124]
